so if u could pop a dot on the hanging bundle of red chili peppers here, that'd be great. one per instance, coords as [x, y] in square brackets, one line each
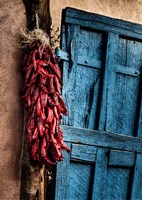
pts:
[44, 104]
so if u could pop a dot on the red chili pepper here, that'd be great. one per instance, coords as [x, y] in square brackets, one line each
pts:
[51, 101]
[55, 98]
[40, 51]
[43, 72]
[61, 110]
[44, 148]
[28, 100]
[43, 80]
[35, 133]
[56, 112]
[57, 85]
[35, 95]
[55, 69]
[41, 128]
[51, 86]
[46, 58]
[38, 107]
[34, 62]
[55, 149]
[44, 89]
[60, 139]
[43, 116]
[43, 97]
[57, 126]
[52, 126]
[63, 105]
[32, 80]
[50, 114]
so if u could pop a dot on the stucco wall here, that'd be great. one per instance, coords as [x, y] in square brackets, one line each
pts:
[11, 118]
[130, 10]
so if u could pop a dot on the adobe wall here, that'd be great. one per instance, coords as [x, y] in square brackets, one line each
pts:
[11, 115]
[129, 10]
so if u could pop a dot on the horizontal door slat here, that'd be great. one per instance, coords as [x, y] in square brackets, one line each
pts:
[127, 70]
[97, 63]
[83, 152]
[102, 139]
[81, 59]
[112, 22]
[121, 158]
[107, 28]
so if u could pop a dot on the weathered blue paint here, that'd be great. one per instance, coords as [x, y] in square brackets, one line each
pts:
[101, 64]
[103, 23]
[62, 55]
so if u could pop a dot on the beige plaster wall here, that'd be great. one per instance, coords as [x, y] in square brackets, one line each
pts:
[11, 115]
[130, 10]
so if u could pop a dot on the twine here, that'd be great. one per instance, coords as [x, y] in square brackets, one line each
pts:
[37, 20]
[37, 34]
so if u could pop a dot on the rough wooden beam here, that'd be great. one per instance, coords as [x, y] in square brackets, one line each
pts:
[42, 8]
[32, 177]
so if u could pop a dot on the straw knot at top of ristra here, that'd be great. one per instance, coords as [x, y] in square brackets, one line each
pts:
[35, 35]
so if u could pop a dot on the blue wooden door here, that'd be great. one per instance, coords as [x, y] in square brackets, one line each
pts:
[102, 64]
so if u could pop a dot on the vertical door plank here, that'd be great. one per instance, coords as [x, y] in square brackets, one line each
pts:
[108, 82]
[81, 89]
[140, 121]
[80, 178]
[100, 175]
[117, 183]
[125, 100]
[88, 78]
[69, 73]
[111, 62]
[139, 128]
[62, 178]
[63, 38]
[120, 171]
[137, 181]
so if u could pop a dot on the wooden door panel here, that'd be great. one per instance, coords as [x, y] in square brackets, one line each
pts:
[74, 180]
[137, 181]
[127, 87]
[82, 80]
[112, 179]
[117, 183]
[63, 177]
[91, 44]
[119, 174]
[82, 97]
[80, 180]
[101, 68]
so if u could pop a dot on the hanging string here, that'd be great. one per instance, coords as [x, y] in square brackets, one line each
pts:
[37, 20]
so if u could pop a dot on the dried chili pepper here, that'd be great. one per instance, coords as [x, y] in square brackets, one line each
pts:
[44, 104]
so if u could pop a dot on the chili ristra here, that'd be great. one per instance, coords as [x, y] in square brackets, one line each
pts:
[44, 104]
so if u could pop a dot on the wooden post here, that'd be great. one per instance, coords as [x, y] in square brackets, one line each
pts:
[32, 177]
[42, 8]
